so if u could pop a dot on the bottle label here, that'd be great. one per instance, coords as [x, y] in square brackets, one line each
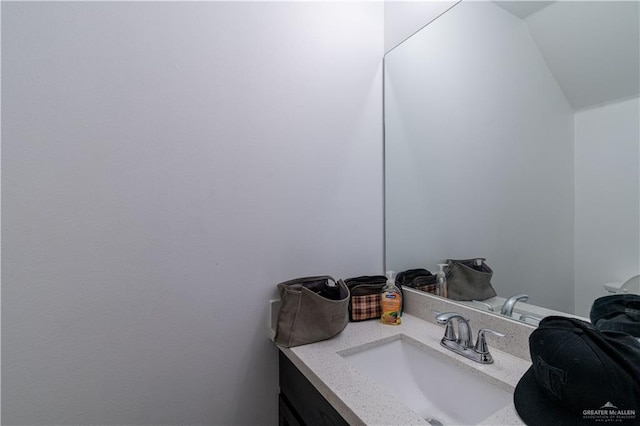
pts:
[390, 303]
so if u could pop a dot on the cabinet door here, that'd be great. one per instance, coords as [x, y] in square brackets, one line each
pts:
[305, 402]
[286, 414]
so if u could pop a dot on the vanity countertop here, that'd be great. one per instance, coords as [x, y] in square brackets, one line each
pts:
[361, 400]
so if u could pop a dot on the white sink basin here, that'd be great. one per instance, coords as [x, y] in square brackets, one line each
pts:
[430, 383]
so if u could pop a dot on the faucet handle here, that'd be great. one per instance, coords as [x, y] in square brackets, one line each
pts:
[525, 317]
[481, 343]
[449, 332]
[488, 306]
[464, 337]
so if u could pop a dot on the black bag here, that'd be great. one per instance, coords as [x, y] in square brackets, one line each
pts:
[311, 310]
[420, 279]
[466, 280]
[618, 312]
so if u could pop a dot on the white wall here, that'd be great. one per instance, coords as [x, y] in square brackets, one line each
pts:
[607, 196]
[403, 18]
[164, 166]
[466, 106]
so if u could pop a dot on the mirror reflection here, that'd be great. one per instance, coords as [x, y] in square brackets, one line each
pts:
[512, 133]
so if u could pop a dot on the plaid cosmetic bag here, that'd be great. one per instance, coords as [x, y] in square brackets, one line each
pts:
[365, 297]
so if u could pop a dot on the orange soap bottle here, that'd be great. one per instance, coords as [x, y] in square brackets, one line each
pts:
[391, 301]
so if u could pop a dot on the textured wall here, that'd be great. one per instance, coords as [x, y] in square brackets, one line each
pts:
[164, 165]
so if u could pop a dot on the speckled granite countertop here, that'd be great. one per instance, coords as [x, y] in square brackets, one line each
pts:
[361, 400]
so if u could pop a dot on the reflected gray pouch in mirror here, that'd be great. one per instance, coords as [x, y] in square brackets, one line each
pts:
[311, 310]
[468, 281]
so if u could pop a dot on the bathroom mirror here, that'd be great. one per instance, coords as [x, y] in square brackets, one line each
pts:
[512, 132]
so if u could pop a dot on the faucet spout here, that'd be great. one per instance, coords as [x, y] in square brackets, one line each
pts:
[507, 307]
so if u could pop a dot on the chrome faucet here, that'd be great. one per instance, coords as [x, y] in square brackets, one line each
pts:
[462, 343]
[463, 339]
[507, 308]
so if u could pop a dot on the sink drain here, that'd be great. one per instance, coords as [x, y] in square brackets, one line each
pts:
[434, 422]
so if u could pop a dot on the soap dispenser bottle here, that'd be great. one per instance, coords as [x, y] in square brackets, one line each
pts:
[441, 283]
[390, 301]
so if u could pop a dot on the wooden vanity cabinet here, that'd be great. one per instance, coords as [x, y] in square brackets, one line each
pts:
[300, 403]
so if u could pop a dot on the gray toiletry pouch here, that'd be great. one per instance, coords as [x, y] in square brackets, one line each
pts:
[311, 309]
[468, 281]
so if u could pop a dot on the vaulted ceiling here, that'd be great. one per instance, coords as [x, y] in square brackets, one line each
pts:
[591, 47]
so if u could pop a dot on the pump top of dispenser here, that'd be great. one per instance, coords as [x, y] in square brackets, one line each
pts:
[441, 283]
